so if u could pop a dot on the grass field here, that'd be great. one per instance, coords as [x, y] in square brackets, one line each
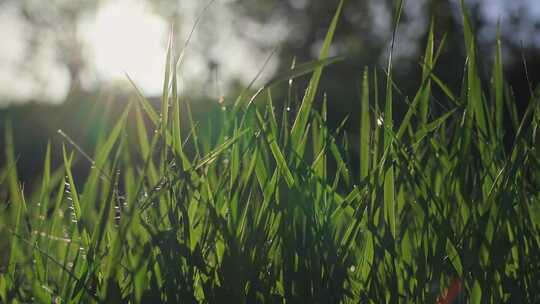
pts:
[261, 203]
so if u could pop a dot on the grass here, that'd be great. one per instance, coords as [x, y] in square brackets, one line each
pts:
[258, 204]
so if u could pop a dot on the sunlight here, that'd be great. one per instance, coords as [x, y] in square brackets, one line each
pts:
[125, 37]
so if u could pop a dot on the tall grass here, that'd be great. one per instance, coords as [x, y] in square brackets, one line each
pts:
[262, 204]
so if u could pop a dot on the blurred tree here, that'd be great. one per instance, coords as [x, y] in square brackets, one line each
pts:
[56, 22]
[364, 32]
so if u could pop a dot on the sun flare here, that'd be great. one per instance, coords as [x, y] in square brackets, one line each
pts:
[125, 37]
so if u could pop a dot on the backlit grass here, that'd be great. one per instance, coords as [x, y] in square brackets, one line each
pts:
[261, 203]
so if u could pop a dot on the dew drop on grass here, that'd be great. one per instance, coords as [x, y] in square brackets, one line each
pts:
[288, 109]
[380, 121]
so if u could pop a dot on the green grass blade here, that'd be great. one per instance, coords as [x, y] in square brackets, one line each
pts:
[365, 128]
[426, 71]
[298, 128]
[303, 69]
[474, 93]
[75, 202]
[389, 187]
[498, 84]
[277, 153]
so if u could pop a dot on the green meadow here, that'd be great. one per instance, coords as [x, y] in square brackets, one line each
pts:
[263, 202]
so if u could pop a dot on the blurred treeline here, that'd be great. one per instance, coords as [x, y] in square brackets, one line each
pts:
[363, 37]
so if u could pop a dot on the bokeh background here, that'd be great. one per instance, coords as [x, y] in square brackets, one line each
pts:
[63, 63]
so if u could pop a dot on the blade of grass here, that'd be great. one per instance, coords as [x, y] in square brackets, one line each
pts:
[365, 128]
[389, 202]
[299, 126]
